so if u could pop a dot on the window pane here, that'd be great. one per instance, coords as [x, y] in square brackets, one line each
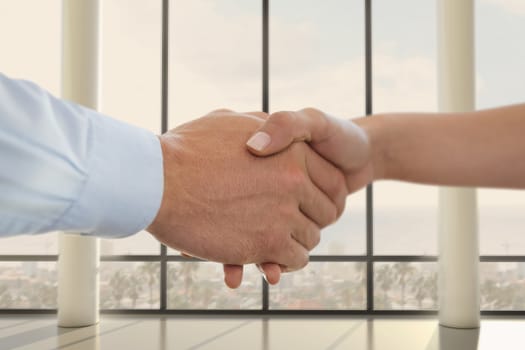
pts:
[31, 37]
[19, 61]
[502, 286]
[322, 286]
[131, 61]
[200, 285]
[317, 60]
[405, 219]
[130, 83]
[28, 285]
[499, 54]
[141, 243]
[500, 81]
[347, 235]
[129, 285]
[405, 286]
[215, 57]
[317, 56]
[45, 244]
[502, 222]
[404, 79]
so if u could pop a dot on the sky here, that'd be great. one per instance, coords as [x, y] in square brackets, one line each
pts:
[316, 59]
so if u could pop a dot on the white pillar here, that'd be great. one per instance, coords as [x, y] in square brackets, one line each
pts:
[458, 236]
[78, 263]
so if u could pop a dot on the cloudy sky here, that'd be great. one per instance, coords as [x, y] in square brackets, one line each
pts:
[317, 59]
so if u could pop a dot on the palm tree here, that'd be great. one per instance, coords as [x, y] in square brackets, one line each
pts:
[47, 294]
[6, 300]
[431, 285]
[187, 273]
[419, 290]
[119, 285]
[152, 271]
[134, 289]
[489, 294]
[385, 279]
[355, 291]
[507, 295]
[403, 270]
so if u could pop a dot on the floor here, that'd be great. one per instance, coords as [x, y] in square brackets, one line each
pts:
[232, 333]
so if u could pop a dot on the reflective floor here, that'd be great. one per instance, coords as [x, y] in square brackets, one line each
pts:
[232, 333]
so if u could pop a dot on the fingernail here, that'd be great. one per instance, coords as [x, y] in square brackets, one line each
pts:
[259, 141]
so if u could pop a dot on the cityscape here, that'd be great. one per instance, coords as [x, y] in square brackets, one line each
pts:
[320, 286]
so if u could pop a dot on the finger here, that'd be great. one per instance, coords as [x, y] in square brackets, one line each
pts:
[283, 128]
[258, 114]
[290, 254]
[186, 255]
[233, 275]
[221, 111]
[306, 232]
[271, 272]
[315, 204]
[331, 181]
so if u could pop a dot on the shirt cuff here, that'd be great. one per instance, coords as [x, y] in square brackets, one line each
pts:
[125, 181]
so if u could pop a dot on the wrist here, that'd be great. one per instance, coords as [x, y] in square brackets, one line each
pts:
[375, 129]
[166, 155]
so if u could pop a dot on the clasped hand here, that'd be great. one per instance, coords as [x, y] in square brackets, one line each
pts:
[223, 204]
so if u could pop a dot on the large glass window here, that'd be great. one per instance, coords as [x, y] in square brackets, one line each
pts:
[381, 255]
[317, 59]
[500, 75]
[404, 79]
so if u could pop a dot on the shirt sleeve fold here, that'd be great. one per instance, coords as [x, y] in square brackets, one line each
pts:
[66, 167]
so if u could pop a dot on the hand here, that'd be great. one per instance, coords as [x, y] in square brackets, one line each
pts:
[222, 204]
[342, 142]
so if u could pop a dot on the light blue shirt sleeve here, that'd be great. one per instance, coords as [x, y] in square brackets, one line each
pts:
[65, 167]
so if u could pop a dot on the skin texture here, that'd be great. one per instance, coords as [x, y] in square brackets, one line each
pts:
[479, 149]
[222, 204]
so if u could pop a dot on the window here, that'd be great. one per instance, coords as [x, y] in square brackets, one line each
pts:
[345, 56]
[30, 284]
[501, 80]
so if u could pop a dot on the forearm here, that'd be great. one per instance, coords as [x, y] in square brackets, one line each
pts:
[482, 149]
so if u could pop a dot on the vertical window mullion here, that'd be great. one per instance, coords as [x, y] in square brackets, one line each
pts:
[265, 101]
[164, 128]
[369, 189]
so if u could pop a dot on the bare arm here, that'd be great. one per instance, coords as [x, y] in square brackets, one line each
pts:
[481, 149]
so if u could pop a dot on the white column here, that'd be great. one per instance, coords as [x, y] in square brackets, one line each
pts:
[78, 263]
[458, 236]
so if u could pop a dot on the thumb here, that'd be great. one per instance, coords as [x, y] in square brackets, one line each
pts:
[282, 129]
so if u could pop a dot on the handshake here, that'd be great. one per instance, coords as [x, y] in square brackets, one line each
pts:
[243, 188]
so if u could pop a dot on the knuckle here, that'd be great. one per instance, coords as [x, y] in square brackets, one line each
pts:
[328, 212]
[221, 110]
[272, 243]
[311, 111]
[337, 192]
[294, 178]
[331, 215]
[318, 117]
[315, 238]
[303, 261]
[340, 207]
[338, 183]
[281, 119]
